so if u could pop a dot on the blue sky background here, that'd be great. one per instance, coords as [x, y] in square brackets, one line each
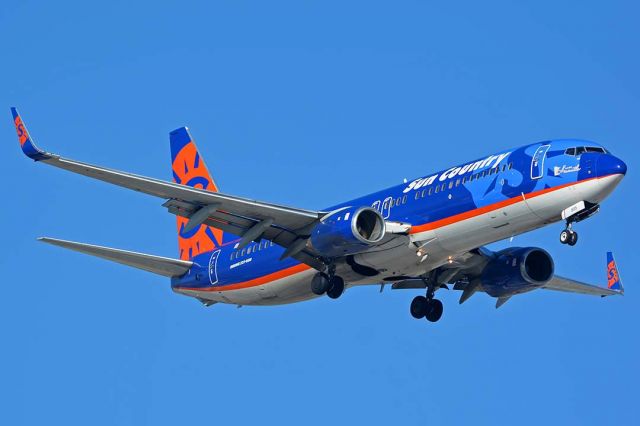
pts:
[307, 104]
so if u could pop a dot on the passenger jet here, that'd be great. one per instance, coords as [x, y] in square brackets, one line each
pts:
[427, 234]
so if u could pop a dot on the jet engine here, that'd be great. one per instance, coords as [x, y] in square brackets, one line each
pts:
[348, 231]
[517, 270]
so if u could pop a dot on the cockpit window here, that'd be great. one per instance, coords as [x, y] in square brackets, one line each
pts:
[596, 149]
[582, 149]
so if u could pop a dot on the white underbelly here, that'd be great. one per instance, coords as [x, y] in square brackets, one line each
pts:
[294, 288]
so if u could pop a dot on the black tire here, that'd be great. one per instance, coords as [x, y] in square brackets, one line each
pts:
[320, 284]
[573, 239]
[565, 236]
[434, 310]
[418, 307]
[336, 287]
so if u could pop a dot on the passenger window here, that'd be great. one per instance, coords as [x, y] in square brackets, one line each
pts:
[404, 199]
[450, 184]
[430, 190]
[424, 192]
[457, 182]
[504, 167]
[417, 195]
[437, 189]
[510, 166]
[242, 253]
[464, 179]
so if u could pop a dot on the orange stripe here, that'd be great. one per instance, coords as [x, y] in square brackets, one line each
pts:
[489, 208]
[287, 272]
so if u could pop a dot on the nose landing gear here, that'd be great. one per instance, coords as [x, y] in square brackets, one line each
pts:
[569, 236]
[574, 214]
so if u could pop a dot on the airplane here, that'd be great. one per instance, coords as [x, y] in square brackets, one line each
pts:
[427, 234]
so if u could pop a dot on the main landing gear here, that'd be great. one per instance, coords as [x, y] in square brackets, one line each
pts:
[427, 307]
[332, 285]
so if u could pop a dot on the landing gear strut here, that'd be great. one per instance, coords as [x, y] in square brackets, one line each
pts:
[427, 307]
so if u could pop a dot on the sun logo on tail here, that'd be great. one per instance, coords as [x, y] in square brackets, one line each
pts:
[189, 169]
[612, 274]
[22, 132]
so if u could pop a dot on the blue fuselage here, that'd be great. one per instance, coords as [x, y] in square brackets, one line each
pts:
[428, 204]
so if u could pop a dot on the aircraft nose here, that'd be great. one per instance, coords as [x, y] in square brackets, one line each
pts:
[610, 165]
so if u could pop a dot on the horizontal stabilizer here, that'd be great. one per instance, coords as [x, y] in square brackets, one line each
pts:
[156, 264]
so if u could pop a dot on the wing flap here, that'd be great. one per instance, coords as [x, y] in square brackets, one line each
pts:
[156, 264]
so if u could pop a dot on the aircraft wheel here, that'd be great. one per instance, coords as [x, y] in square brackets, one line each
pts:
[434, 310]
[336, 287]
[418, 307]
[565, 236]
[573, 238]
[320, 284]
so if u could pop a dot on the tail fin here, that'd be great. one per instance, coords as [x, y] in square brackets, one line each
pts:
[613, 277]
[189, 169]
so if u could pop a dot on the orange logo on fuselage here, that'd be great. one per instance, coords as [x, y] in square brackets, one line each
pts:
[22, 132]
[612, 274]
[191, 171]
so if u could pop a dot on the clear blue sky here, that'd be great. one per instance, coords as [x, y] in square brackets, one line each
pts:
[307, 104]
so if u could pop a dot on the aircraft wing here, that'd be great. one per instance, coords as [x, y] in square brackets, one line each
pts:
[614, 283]
[464, 273]
[286, 226]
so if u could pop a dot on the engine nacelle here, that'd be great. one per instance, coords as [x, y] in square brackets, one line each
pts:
[348, 231]
[517, 270]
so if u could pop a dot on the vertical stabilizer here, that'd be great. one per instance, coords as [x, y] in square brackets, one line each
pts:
[189, 169]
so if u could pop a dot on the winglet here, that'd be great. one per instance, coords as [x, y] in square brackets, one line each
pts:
[26, 143]
[613, 277]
